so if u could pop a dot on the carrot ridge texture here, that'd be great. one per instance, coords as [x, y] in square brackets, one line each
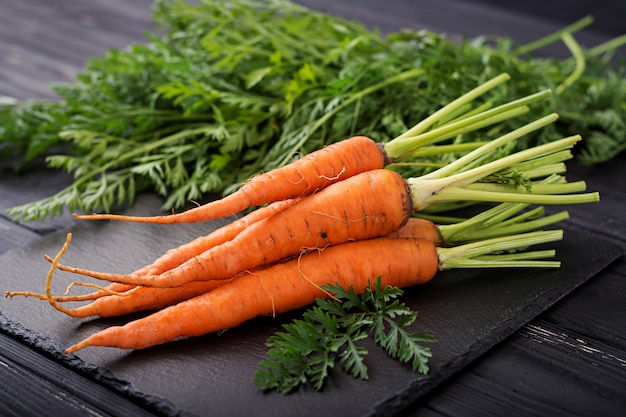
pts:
[174, 257]
[374, 204]
[307, 175]
[153, 298]
[277, 289]
[143, 299]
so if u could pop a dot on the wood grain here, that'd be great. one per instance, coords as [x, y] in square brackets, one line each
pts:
[568, 361]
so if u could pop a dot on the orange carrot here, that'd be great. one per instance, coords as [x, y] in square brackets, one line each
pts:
[304, 176]
[115, 288]
[496, 221]
[282, 287]
[119, 299]
[143, 299]
[373, 204]
[174, 257]
[368, 205]
[297, 283]
[416, 228]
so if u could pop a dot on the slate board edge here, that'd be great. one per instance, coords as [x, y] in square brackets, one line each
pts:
[98, 374]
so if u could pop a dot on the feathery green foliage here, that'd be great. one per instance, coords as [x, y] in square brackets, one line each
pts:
[235, 88]
[329, 334]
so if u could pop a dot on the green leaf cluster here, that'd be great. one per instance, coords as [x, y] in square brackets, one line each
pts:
[329, 334]
[228, 89]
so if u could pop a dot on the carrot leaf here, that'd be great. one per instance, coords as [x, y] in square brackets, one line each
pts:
[227, 89]
[330, 331]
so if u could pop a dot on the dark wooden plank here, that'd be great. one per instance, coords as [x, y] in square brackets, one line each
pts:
[568, 361]
[455, 18]
[47, 42]
[37, 385]
[525, 373]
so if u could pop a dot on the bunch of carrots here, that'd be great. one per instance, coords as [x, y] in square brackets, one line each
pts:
[341, 216]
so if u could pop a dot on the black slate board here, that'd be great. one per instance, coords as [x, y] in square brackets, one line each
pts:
[467, 311]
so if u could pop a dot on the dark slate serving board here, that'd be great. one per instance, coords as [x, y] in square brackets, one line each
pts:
[467, 311]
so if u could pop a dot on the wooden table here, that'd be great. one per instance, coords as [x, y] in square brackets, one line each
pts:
[570, 360]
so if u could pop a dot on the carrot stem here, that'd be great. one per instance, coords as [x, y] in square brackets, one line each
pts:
[425, 151]
[579, 59]
[462, 163]
[608, 46]
[553, 37]
[451, 194]
[454, 105]
[519, 228]
[562, 188]
[526, 255]
[467, 255]
[405, 143]
[437, 188]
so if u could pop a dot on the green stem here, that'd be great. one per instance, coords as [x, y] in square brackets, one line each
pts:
[579, 59]
[466, 111]
[552, 169]
[463, 178]
[493, 262]
[400, 148]
[426, 151]
[562, 188]
[430, 189]
[460, 163]
[505, 219]
[397, 149]
[517, 228]
[543, 161]
[463, 256]
[451, 107]
[547, 40]
[451, 194]
[527, 255]
[495, 216]
[403, 144]
[609, 46]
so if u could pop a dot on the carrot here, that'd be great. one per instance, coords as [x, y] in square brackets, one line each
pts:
[119, 299]
[416, 228]
[296, 283]
[342, 159]
[280, 288]
[174, 257]
[496, 221]
[143, 299]
[374, 204]
[367, 205]
[304, 176]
